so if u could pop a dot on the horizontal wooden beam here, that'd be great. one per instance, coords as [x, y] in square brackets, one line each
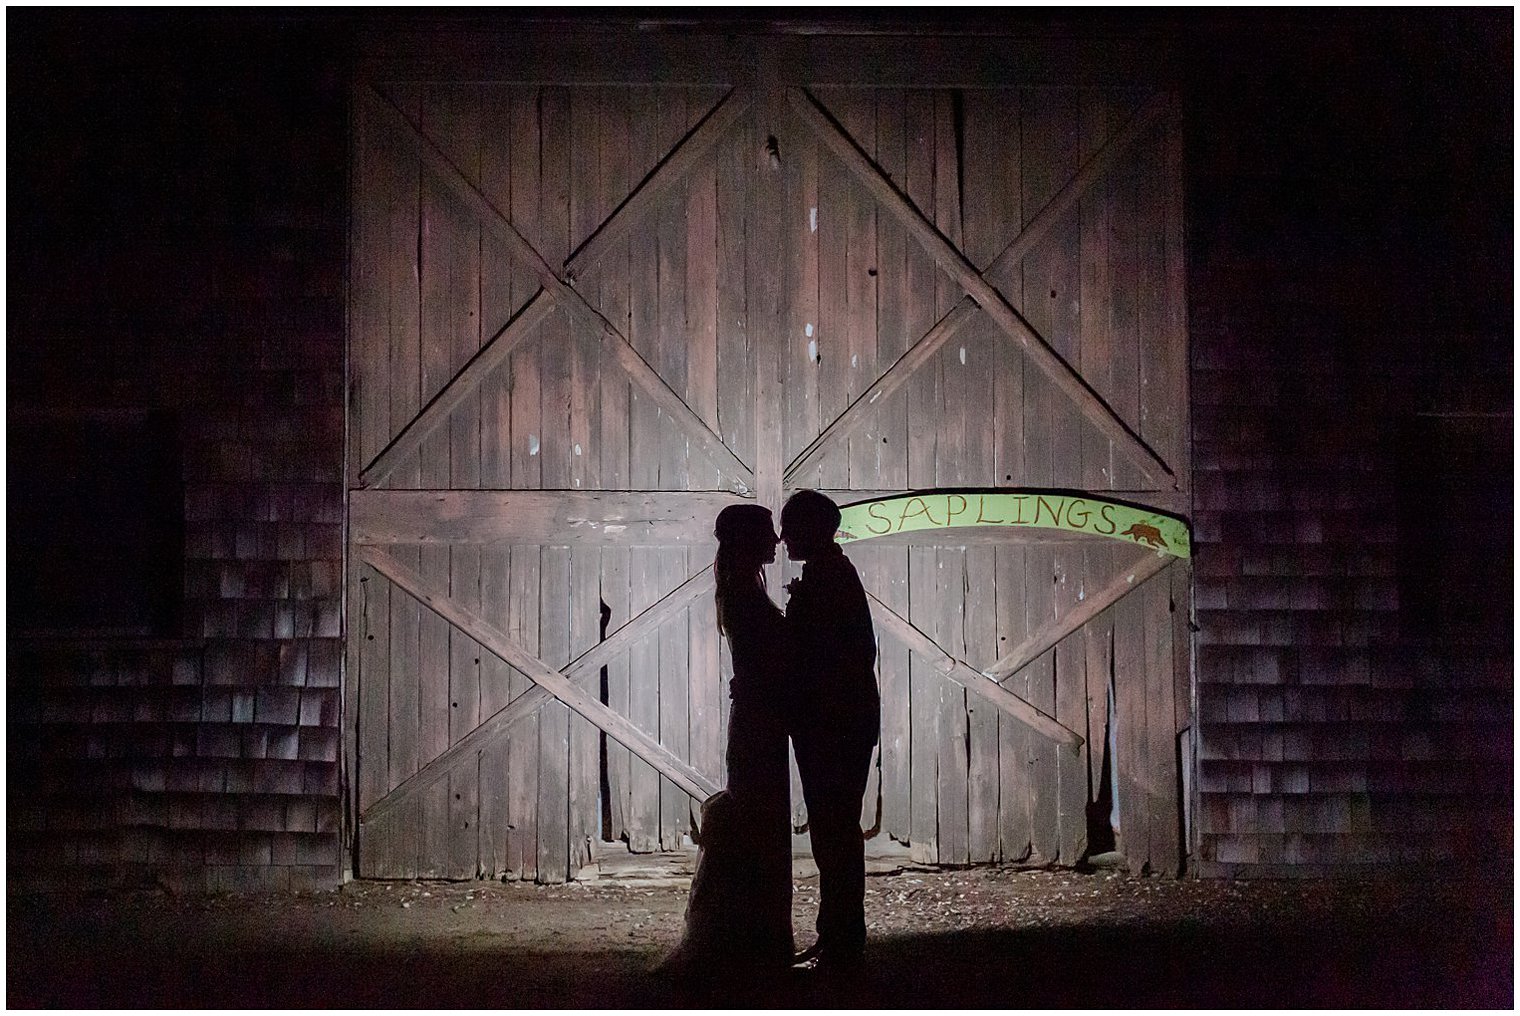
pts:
[1172, 502]
[565, 296]
[664, 518]
[987, 298]
[968, 677]
[587, 665]
[1042, 639]
[511, 652]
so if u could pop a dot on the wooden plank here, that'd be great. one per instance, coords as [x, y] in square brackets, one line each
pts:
[583, 670]
[527, 473]
[497, 301]
[713, 127]
[704, 687]
[555, 453]
[798, 276]
[566, 297]
[611, 235]
[1130, 723]
[1182, 704]
[444, 300]
[404, 704]
[950, 562]
[961, 673]
[369, 396]
[1061, 375]
[453, 116]
[595, 517]
[1098, 113]
[1014, 816]
[984, 123]
[736, 373]
[891, 576]
[582, 700]
[1162, 782]
[1100, 652]
[1043, 638]
[584, 774]
[644, 460]
[671, 355]
[923, 404]
[1176, 341]
[612, 282]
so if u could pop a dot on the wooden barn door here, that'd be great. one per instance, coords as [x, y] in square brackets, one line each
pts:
[585, 318]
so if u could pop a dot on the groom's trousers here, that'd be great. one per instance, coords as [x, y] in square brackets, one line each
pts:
[834, 767]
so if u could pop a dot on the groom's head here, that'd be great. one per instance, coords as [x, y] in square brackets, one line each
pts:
[809, 521]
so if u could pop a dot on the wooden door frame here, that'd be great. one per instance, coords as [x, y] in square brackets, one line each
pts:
[378, 517]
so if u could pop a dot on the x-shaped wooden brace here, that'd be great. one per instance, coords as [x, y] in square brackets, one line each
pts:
[980, 294]
[558, 291]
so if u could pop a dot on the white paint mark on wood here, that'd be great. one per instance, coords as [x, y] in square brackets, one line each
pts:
[963, 356]
[613, 529]
[854, 360]
[577, 449]
[813, 219]
[813, 350]
[808, 330]
[532, 444]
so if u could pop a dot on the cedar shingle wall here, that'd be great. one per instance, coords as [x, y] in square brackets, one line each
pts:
[203, 277]
[1348, 241]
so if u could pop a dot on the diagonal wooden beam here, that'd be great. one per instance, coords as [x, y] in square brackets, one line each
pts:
[1127, 580]
[498, 723]
[495, 352]
[898, 374]
[986, 296]
[968, 677]
[490, 356]
[553, 683]
[562, 293]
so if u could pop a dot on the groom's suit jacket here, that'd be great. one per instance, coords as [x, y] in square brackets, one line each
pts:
[834, 685]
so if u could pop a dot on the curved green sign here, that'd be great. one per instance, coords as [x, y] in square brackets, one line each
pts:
[1090, 516]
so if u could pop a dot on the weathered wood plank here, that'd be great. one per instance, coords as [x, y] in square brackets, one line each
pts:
[400, 856]
[613, 448]
[1043, 638]
[1100, 650]
[568, 298]
[891, 576]
[609, 236]
[497, 300]
[988, 299]
[611, 518]
[923, 404]
[949, 463]
[527, 473]
[704, 686]
[644, 472]
[562, 688]
[583, 809]
[1130, 723]
[1162, 783]
[1097, 113]
[671, 359]
[1173, 176]
[984, 123]
[1015, 814]
[555, 352]
[583, 670]
[961, 673]
[452, 115]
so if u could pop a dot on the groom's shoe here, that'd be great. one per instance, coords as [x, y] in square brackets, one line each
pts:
[807, 955]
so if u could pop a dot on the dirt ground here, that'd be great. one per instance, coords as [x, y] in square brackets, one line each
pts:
[970, 938]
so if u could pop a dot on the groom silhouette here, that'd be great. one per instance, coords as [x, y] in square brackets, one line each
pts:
[835, 717]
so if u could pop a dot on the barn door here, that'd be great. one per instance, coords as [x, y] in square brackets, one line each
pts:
[584, 319]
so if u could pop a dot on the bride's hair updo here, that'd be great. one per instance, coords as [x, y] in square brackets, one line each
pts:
[746, 538]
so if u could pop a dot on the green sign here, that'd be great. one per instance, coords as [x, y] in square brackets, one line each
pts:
[1091, 516]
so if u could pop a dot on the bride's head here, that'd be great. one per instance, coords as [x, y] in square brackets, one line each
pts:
[746, 544]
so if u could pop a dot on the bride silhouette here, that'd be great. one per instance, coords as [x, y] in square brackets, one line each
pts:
[739, 912]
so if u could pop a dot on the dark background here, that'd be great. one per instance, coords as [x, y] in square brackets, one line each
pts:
[176, 216]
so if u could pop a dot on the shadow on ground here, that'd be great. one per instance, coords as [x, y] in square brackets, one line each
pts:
[1450, 946]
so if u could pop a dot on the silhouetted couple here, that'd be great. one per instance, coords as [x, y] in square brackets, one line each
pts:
[808, 673]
